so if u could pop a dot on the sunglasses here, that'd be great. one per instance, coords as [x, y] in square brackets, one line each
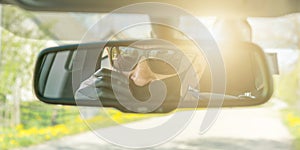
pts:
[127, 58]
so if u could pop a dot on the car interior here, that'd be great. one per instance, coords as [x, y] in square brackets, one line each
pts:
[240, 43]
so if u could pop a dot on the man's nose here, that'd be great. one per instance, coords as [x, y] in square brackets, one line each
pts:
[142, 74]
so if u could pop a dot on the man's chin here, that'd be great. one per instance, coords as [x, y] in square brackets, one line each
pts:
[142, 93]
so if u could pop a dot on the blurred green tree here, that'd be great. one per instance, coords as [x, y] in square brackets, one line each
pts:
[289, 83]
[18, 53]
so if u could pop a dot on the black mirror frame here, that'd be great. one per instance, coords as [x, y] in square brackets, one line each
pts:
[202, 104]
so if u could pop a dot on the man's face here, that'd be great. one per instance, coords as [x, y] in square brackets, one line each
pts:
[143, 66]
[142, 74]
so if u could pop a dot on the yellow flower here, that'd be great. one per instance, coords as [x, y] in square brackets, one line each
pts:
[19, 127]
[293, 120]
[10, 135]
[47, 137]
[12, 142]
[118, 117]
[78, 119]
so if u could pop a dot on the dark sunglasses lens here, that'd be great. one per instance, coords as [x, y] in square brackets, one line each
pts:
[161, 67]
[126, 58]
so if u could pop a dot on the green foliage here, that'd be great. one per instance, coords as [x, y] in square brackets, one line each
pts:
[38, 114]
[39, 122]
[289, 85]
[288, 90]
[21, 24]
[17, 62]
[37, 127]
[18, 53]
[291, 118]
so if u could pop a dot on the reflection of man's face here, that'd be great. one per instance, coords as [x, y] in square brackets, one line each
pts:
[174, 67]
[143, 68]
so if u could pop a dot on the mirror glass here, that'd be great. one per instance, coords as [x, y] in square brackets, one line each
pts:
[82, 74]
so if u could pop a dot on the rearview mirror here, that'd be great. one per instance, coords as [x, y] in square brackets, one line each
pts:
[248, 79]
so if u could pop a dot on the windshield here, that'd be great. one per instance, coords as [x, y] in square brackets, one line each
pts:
[26, 122]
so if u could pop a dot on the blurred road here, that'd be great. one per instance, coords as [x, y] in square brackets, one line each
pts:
[258, 128]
